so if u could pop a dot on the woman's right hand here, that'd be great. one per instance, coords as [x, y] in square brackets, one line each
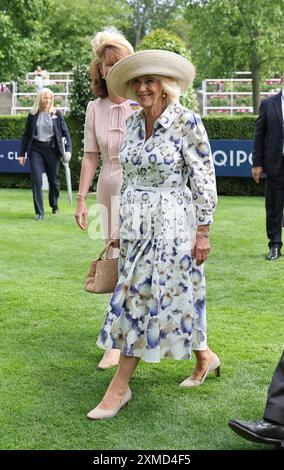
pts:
[114, 242]
[22, 161]
[81, 214]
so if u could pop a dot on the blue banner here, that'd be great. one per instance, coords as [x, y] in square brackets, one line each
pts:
[231, 157]
[9, 157]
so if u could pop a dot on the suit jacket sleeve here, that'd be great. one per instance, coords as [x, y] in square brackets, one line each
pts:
[26, 136]
[65, 133]
[259, 137]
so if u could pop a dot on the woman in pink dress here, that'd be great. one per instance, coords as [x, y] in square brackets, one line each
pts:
[104, 134]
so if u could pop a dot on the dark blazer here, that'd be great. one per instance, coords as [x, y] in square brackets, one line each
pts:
[269, 136]
[60, 130]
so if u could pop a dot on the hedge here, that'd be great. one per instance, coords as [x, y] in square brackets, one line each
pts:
[218, 127]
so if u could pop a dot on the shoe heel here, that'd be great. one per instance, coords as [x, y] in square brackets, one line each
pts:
[218, 371]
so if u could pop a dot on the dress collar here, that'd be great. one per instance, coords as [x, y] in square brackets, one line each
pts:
[166, 119]
[125, 104]
[168, 116]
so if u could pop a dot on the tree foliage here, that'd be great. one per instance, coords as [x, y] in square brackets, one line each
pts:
[162, 39]
[81, 92]
[148, 15]
[230, 35]
[21, 26]
[72, 25]
[57, 34]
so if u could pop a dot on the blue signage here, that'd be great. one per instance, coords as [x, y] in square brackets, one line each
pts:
[231, 157]
[9, 157]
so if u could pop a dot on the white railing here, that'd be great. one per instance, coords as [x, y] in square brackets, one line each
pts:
[231, 107]
[53, 78]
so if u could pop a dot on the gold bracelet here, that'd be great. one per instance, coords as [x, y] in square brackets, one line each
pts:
[202, 234]
[81, 196]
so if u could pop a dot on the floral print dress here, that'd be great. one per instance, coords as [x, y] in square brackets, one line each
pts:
[158, 308]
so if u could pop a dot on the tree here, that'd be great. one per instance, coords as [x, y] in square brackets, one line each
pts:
[21, 35]
[162, 39]
[81, 92]
[147, 15]
[229, 35]
[71, 26]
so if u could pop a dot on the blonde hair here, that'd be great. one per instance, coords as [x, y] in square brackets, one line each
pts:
[109, 45]
[169, 85]
[38, 103]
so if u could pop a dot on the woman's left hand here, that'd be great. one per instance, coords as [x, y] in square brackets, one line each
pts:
[202, 248]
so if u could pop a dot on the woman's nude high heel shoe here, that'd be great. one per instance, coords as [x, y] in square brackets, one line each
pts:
[109, 359]
[214, 365]
[99, 413]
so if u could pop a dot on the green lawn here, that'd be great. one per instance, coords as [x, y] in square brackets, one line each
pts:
[49, 326]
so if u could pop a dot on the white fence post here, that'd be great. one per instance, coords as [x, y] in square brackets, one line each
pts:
[204, 97]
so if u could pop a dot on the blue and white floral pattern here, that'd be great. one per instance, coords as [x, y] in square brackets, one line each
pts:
[158, 308]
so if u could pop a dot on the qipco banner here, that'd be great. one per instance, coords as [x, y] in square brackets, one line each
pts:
[9, 157]
[232, 157]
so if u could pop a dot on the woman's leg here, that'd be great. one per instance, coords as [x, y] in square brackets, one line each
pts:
[206, 360]
[37, 168]
[52, 165]
[107, 187]
[199, 331]
[203, 360]
[110, 357]
[120, 382]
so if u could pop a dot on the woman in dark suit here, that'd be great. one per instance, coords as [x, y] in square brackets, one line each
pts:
[42, 141]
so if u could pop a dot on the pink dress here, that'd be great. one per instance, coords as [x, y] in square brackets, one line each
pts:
[104, 133]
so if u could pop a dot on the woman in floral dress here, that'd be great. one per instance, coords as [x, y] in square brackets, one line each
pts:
[104, 134]
[158, 307]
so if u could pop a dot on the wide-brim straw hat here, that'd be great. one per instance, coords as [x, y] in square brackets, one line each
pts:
[149, 62]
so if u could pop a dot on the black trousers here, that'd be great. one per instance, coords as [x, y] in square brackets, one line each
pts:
[274, 202]
[44, 159]
[274, 410]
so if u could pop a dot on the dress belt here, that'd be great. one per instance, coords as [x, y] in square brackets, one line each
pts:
[156, 188]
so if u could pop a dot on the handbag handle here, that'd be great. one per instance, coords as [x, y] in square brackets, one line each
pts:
[105, 250]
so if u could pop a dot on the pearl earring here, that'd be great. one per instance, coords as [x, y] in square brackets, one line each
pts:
[164, 95]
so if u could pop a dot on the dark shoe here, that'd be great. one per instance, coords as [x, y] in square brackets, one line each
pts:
[274, 253]
[55, 210]
[261, 431]
[39, 216]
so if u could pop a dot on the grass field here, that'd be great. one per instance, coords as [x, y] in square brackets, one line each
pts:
[49, 326]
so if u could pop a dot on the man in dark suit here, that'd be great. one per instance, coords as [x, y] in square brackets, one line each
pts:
[268, 152]
[270, 429]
